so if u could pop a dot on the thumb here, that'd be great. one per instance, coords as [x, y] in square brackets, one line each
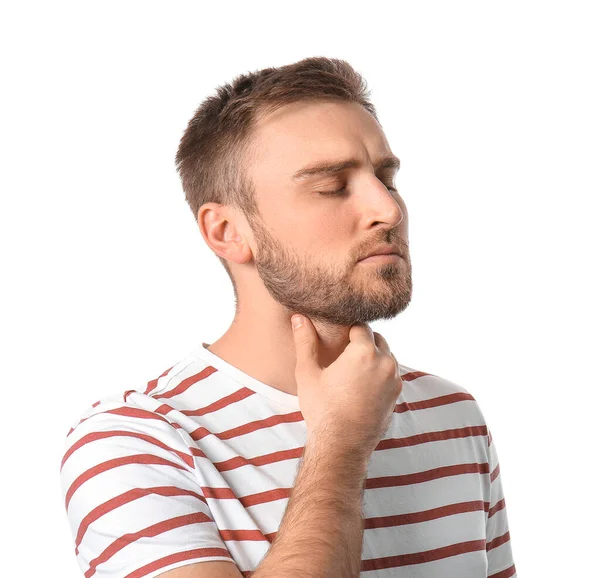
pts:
[306, 342]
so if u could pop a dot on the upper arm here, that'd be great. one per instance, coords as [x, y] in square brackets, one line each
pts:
[499, 549]
[134, 501]
[204, 570]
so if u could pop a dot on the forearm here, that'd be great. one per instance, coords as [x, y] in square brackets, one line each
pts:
[321, 533]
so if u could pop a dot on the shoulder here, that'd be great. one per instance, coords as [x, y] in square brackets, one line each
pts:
[422, 383]
[422, 390]
[112, 429]
[141, 407]
[119, 410]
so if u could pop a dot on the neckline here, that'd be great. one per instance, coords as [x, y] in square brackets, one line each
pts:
[276, 395]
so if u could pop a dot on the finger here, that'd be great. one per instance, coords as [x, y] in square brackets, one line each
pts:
[397, 365]
[362, 333]
[381, 343]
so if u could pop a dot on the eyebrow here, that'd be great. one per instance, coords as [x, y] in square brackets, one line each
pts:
[330, 167]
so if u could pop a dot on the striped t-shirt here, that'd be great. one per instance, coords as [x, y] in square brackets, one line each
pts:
[199, 464]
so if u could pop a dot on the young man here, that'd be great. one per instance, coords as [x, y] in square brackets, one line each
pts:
[277, 452]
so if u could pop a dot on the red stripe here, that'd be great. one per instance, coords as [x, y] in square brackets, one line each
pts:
[383, 482]
[209, 370]
[250, 427]
[412, 375]
[154, 382]
[369, 523]
[135, 412]
[496, 508]
[149, 532]
[178, 557]
[127, 412]
[188, 382]
[426, 476]
[375, 522]
[244, 429]
[164, 409]
[504, 573]
[424, 515]
[433, 402]
[246, 536]
[126, 498]
[495, 473]
[422, 557]
[235, 397]
[498, 541]
[283, 455]
[257, 461]
[244, 393]
[433, 436]
[83, 419]
[115, 463]
[151, 385]
[188, 459]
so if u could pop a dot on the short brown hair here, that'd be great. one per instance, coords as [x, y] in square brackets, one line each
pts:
[214, 149]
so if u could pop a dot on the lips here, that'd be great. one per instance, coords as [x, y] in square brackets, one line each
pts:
[385, 250]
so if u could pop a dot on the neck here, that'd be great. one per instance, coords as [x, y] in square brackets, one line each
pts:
[266, 350]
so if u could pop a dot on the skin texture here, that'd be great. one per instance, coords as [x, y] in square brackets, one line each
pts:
[302, 258]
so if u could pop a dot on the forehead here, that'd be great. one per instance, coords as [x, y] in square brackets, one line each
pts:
[301, 134]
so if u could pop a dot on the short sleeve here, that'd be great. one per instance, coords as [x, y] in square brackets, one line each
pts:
[133, 500]
[498, 547]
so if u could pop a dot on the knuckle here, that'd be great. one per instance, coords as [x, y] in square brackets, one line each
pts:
[367, 351]
[390, 365]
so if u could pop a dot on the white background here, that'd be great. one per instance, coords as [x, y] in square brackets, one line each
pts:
[493, 110]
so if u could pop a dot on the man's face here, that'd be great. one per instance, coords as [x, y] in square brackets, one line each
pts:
[308, 245]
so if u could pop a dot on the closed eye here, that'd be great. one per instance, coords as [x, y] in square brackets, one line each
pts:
[343, 190]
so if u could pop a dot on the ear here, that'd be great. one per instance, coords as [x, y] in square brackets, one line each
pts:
[222, 230]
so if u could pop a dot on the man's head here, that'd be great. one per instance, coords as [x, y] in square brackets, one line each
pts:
[244, 161]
